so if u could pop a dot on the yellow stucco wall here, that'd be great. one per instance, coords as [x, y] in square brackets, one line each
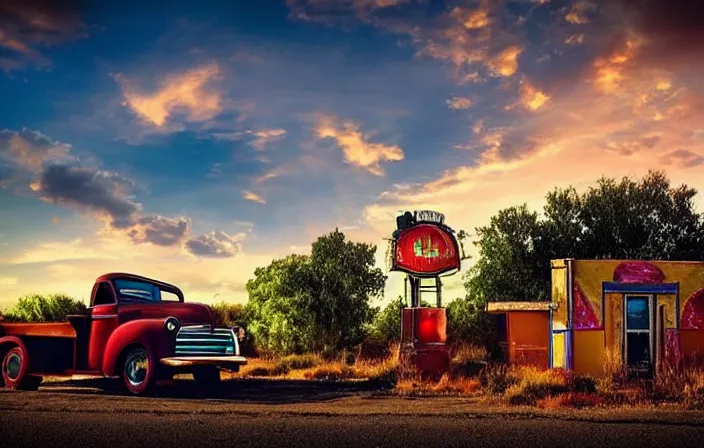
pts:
[614, 323]
[668, 302]
[558, 351]
[589, 352]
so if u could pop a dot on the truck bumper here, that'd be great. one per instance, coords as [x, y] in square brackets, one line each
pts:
[228, 362]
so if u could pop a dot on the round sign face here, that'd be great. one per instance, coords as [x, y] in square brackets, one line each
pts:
[426, 249]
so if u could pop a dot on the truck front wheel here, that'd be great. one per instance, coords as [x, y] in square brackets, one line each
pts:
[138, 372]
[208, 380]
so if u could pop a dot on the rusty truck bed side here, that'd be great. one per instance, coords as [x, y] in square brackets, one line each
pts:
[42, 329]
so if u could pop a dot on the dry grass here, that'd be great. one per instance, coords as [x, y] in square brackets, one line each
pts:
[684, 385]
[464, 353]
[316, 367]
[570, 400]
[472, 375]
[447, 385]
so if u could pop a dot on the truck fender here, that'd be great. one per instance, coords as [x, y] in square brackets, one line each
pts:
[6, 343]
[149, 333]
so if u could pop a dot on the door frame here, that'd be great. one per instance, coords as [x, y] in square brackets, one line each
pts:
[652, 301]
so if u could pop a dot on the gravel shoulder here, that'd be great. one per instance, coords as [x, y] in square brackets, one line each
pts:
[306, 398]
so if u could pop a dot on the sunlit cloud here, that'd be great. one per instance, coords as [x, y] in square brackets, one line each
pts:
[263, 137]
[532, 98]
[472, 20]
[356, 147]
[458, 102]
[506, 62]
[251, 196]
[187, 91]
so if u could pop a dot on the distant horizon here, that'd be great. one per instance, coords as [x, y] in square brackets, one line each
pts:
[195, 143]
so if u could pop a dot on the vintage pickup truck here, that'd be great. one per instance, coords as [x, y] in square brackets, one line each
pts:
[137, 330]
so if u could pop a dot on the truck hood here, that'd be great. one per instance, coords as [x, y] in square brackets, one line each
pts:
[186, 313]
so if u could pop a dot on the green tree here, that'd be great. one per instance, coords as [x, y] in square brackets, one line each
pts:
[278, 309]
[467, 322]
[41, 308]
[229, 314]
[344, 281]
[319, 302]
[639, 219]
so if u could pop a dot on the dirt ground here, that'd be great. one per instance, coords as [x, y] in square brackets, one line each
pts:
[293, 413]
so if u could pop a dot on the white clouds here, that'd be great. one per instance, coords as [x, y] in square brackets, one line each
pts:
[250, 196]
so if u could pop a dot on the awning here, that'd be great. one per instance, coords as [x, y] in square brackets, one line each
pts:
[502, 307]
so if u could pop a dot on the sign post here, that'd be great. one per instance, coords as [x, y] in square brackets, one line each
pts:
[425, 248]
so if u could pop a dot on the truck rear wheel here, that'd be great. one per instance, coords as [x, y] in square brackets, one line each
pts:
[208, 380]
[138, 372]
[14, 371]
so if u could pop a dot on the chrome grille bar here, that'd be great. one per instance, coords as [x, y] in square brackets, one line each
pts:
[199, 340]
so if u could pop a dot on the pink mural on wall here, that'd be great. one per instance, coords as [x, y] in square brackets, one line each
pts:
[638, 272]
[693, 312]
[584, 314]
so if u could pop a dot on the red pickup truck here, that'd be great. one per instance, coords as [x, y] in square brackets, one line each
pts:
[138, 329]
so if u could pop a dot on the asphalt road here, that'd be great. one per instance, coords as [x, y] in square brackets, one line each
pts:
[300, 414]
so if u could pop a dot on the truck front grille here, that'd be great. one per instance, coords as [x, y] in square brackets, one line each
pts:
[198, 340]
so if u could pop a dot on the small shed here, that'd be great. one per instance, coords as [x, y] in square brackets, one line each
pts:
[525, 334]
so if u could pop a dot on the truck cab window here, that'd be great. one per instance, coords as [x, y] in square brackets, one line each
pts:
[131, 291]
[104, 295]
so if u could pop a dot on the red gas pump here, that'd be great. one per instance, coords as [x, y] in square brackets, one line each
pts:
[425, 249]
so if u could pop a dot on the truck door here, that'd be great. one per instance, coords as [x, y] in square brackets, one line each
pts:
[103, 322]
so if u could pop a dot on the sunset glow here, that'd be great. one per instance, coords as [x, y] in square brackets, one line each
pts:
[202, 145]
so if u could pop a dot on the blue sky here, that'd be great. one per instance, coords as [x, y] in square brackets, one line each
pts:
[195, 141]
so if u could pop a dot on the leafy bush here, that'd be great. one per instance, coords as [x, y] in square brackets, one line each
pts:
[467, 322]
[39, 308]
[315, 303]
[229, 314]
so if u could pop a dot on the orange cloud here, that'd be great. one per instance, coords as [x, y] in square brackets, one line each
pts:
[458, 102]
[506, 62]
[532, 98]
[611, 70]
[184, 91]
[357, 149]
[250, 196]
[472, 20]
[577, 15]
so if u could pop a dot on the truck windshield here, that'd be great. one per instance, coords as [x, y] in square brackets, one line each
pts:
[135, 290]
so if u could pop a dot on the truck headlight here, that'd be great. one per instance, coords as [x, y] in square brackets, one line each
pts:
[171, 324]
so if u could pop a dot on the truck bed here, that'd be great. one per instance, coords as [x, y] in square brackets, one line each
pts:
[42, 329]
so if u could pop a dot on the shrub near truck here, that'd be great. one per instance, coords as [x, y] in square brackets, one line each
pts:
[131, 332]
